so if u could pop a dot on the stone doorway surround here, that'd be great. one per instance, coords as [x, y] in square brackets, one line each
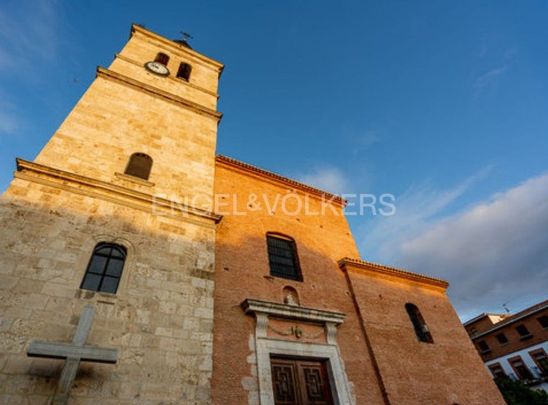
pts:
[266, 346]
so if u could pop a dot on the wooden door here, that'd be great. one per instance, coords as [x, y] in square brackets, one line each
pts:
[300, 382]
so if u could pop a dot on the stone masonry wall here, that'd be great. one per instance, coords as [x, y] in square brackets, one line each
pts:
[161, 317]
[202, 85]
[114, 119]
[105, 129]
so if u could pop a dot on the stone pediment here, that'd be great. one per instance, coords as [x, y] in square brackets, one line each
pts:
[252, 306]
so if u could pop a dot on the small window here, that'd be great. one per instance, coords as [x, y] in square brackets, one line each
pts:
[139, 165]
[520, 368]
[523, 332]
[497, 370]
[105, 268]
[184, 71]
[540, 358]
[162, 58]
[501, 337]
[421, 328]
[483, 346]
[282, 257]
[543, 320]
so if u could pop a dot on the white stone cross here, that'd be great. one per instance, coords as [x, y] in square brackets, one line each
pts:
[73, 353]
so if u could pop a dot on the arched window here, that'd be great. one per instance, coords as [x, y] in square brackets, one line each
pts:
[184, 71]
[162, 58]
[139, 165]
[421, 329]
[105, 268]
[282, 257]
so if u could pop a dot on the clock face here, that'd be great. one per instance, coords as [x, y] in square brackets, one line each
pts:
[157, 68]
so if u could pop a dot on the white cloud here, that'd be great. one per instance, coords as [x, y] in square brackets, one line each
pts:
[359, 139]
[30, 33]
[492, 75]
[367, 139]
[326, 178]
[8, 123]
[489, 77]
[492, 253]
[416, 209]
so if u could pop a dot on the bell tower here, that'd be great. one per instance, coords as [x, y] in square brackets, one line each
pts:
[116, 213]
[157, 98]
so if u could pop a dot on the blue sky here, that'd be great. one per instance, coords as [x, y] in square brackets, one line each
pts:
[443, 104]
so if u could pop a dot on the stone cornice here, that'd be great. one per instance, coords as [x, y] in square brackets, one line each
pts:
[176, 47]
[111, 192]
[360, 265]
[251, 306]
[128, 81]
[134, 179]
[279, 180]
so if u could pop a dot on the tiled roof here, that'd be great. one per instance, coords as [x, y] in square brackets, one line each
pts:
[281, 179]
[393, 271]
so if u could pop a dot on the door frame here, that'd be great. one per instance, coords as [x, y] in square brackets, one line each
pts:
[266, 346]
[271, 347]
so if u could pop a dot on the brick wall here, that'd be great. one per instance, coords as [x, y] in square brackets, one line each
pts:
[446, 372]
[515, 340]
[242, 272]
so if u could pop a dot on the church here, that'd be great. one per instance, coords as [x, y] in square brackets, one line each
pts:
[138, 266]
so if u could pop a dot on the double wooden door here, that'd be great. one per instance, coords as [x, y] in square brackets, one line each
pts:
[300, 382]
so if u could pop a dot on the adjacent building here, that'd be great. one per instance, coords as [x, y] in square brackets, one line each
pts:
[514, 345]
[138, 266]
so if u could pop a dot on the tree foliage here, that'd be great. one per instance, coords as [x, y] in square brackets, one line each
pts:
[517, 393]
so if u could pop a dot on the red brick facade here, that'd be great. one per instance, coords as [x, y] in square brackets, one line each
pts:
[530, 319]
[384, 361]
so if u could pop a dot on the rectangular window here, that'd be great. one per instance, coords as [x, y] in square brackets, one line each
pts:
[501, 337]
[184, 71]
[483, 346]
[282, 256]
[543, 320]
[540, 358]
[497, 370]
[523, 332]
[162, 58]
[522, 371]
